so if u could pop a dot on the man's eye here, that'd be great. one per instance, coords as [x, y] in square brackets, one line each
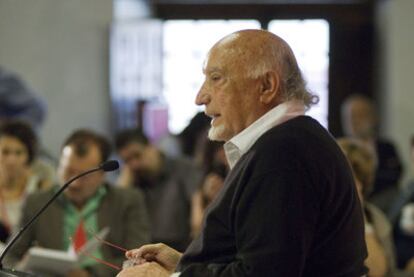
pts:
[215, 77]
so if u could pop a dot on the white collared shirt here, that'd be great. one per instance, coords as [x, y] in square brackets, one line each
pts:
[241, 143]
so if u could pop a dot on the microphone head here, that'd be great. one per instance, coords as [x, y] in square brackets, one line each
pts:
[109, 165]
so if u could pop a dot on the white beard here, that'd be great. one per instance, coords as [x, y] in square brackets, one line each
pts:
[216, 133]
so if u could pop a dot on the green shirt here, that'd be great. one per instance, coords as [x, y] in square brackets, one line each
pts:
[88, 214]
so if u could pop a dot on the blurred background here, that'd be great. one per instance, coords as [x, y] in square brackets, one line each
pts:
[110, 64]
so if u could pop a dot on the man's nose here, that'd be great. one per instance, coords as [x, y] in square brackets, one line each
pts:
[10, 159]
[203, 96]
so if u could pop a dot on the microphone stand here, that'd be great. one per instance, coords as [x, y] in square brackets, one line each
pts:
[15, 273]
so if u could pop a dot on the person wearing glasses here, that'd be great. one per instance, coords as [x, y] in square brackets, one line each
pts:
[87, 206]
[288, 206]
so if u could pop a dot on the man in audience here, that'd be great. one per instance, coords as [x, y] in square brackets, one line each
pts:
[88, 205]
[288, 206]
[359, 120]
[165, 180]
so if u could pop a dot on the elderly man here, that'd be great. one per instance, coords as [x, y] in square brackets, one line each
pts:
[289, 205]
[89, 204]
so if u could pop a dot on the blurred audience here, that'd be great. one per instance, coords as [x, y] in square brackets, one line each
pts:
[168, 184]
[402, 217]
[18, 149]
[378, 230]
[19, 102]
[359, 120]
[89, 204]
[215, 168]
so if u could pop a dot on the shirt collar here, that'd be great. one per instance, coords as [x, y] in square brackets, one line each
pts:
[243, 141]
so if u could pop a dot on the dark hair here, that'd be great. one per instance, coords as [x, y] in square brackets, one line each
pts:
[127, 136]
[191, 134]
[81, 139]
[24, 133]
[209, 150]
[412, 141]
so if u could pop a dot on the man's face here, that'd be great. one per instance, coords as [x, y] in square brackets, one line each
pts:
[71, 164]
[227, 93]
[360, 119]
[141, 159]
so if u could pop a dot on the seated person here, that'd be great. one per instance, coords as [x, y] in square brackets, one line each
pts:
[378, 231]
[170, 181]
[18, 148]
[360, 121]
[88, 204]
[215, 169]
[402, 217]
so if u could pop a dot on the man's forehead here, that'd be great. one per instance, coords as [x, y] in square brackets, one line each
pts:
[93, 154]
[217, 59]
[134, 146]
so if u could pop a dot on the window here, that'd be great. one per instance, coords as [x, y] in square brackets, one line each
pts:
[309, 40]
[186, 43]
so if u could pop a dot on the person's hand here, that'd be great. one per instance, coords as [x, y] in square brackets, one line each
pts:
[212, 185]
[78, 273]
[150, 269]
[164, 255]
[125, 179]
[197, 213]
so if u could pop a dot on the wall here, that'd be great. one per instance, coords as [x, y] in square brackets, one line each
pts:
[61, 49]
[396, 43]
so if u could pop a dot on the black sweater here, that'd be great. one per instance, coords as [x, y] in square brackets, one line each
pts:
[288, 208]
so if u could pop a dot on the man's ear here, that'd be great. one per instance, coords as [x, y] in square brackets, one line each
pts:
[269, 87]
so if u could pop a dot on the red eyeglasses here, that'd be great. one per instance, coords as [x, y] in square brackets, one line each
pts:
[86, 254]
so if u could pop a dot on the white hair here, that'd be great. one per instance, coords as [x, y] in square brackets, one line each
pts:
[270, 56]
[215, 132]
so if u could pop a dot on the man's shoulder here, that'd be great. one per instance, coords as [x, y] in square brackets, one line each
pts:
[40, 195]
[300, 123]
[35, 200]
[299, 141]
[301, 130]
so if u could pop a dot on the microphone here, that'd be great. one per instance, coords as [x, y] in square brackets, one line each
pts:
[109, 165]
[105, 166]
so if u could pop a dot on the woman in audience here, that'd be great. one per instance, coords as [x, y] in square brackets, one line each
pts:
[18, 145]
[378, 231]
[213, 162]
